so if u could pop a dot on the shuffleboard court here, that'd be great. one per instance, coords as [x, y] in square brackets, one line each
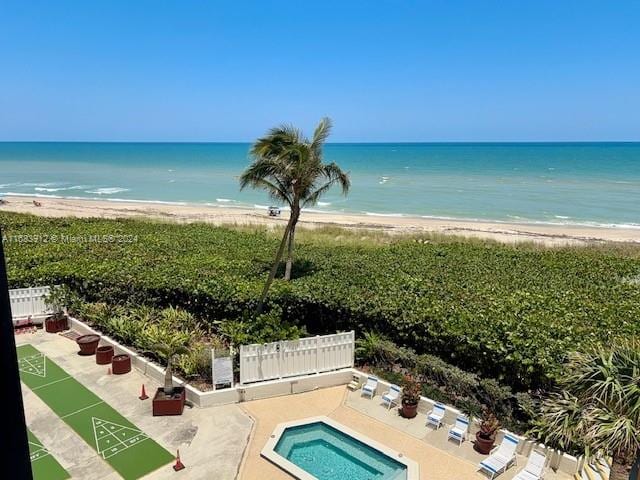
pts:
[43, 465]
[124, 446]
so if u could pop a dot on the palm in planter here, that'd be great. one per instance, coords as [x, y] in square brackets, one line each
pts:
[411, 390]
[486, 436]
[168, 351]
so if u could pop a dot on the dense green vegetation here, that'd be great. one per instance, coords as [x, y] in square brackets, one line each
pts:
[505, 312]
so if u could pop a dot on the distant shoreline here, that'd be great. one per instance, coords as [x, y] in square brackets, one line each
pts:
[551, 235]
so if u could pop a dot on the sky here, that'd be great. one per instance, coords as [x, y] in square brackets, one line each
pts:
[398, 70]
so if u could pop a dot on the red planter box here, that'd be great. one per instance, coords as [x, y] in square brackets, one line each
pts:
[173, 405]
[104, 355]
[88, 344]
[55, 325]
[121, 364]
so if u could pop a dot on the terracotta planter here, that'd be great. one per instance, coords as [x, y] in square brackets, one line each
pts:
[409, 410]
[121, 364]
[483, 445]
[55, 325]
[173, 405]
[88, 344]
[104, 354]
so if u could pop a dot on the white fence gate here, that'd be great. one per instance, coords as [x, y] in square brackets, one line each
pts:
[29, 302]
[290, 358]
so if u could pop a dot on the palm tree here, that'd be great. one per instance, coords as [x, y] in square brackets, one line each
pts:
[290, 168]
[597, 409]
[168, 350]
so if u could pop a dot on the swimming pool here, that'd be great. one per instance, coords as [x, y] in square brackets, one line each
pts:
[320, 448]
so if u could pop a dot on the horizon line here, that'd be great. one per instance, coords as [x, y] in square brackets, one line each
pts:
[381, 142]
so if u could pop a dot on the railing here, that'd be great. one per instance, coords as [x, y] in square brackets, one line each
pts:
[29, 302]
[291, 358]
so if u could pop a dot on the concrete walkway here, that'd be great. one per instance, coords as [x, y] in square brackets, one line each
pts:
[211, 440]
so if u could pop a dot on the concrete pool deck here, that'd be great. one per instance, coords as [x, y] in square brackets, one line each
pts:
[438, 459]
[211, 440]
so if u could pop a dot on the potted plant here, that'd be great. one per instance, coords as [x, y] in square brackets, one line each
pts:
[486, 436]
[169, 400]
[55, 300]
[410, 397]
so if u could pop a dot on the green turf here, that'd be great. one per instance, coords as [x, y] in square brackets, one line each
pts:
[43, 465]
[127, 449]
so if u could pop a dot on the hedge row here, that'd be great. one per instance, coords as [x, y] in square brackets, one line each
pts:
[505, 312]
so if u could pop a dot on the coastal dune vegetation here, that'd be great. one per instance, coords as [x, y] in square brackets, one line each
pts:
[508, 313]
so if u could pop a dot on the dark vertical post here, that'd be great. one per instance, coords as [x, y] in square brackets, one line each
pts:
[14, 446]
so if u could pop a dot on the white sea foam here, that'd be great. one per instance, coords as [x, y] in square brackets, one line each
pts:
[224, 200]
[377, 214]
[37, 195]
[108, 190]
[324, 204]
[159, 202]
[30, 184]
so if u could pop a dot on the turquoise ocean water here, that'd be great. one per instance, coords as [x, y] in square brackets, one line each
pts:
[559, 183]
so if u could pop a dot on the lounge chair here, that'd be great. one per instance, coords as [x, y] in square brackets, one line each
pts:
[534, 468]
[354, 384]
[391, 397]
[436, 415]
[369, 388]
[501, 457]
[458, 432]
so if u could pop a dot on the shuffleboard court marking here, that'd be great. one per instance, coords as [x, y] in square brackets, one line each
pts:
[112, 438]
[128, 450]
[34, 365]
[38, 452]
[52, 382]
[82, 409]
[44, 465]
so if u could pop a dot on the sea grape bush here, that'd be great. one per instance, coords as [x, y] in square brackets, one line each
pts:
[506, 312]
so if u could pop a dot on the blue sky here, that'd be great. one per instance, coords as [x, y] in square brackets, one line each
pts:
[382, 70]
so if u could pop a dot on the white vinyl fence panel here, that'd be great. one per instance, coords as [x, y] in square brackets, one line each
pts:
[291, 358]
[29, 302]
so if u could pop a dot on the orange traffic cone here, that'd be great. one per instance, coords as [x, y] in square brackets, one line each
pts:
[179, 465]
[143, 394]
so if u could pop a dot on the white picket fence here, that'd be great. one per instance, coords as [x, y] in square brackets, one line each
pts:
[29, 302]
[291, 358]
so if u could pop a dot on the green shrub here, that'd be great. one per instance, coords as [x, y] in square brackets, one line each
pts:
[501, 311]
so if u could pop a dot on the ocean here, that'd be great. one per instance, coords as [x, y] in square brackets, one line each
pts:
[557, 183]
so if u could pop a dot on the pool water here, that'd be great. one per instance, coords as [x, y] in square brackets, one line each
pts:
[329, 454]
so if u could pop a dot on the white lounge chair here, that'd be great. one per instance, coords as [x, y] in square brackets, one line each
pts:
[501, 457]
[458, 432]
[369, 388]
[436, 415]
[391, 397]
[534, 468]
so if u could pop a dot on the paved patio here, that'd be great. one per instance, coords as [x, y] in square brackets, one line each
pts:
[211, 440]
[438, 459]
[417, 428]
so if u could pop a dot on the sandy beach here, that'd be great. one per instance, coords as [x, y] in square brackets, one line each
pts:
[504, 232]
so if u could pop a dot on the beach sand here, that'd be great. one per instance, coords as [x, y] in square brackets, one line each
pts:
[504, 232]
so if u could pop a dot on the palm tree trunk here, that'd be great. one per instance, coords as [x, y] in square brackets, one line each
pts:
[292, 233]
[620, 468]
[274, 268]
[168, 379]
